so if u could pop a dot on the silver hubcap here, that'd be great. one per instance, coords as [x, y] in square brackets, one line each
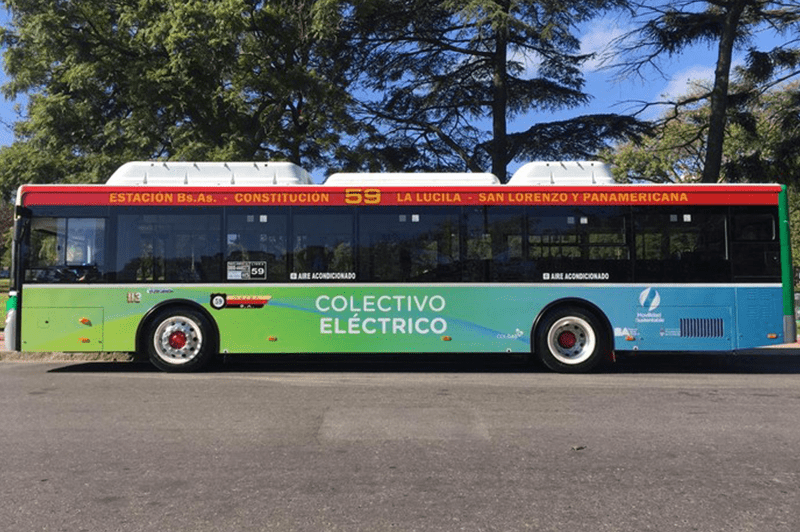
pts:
[571, 340]
[178, 340]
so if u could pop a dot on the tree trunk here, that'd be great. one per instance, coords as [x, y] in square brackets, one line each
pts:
[719, 94]
[499, 149]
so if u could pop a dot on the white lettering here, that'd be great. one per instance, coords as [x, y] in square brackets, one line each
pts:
[325, 325]
[385, 304]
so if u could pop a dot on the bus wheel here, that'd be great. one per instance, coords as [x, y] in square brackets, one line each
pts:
[179, 339]
[571, 340]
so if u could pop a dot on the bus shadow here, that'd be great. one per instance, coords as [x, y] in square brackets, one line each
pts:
[756, 364]
[773, 363]
[313, 363]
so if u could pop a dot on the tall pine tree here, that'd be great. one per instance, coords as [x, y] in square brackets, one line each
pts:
[451, 76]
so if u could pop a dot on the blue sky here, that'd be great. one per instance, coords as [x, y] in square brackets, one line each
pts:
[608, 95]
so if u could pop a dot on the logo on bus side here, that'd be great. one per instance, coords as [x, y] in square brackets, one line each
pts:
[220, 301]
[650, 298]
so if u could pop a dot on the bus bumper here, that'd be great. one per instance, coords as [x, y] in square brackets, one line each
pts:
[789, 329]
[10, 333]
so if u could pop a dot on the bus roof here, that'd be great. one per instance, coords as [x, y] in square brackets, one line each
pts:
[167, 173]
[279, 183]
[209, 174]
[563, 173]
[347, 179]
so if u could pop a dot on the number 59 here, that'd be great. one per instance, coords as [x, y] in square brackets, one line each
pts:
[367, 196]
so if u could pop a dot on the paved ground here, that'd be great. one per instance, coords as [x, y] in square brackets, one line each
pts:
[669, 443]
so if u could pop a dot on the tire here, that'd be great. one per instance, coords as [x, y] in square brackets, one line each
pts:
[179, 340]
[571, 340]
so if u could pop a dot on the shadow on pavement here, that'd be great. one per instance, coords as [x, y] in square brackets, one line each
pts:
[777, 362]
[313, 363]
[764, 363]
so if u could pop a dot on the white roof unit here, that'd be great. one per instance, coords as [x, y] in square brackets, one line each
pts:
[167, 173]
[346, 179]
[563, 173]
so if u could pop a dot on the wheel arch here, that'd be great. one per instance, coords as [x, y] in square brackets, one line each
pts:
[177, 303]
[588, 306]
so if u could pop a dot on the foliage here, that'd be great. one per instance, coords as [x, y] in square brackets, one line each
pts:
[446, 78]
[762, 145]
[117, 80]
[668, 29]
[6, 229]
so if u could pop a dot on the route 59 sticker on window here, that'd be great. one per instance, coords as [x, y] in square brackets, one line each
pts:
[247, 271]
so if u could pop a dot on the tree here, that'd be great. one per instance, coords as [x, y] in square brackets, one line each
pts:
[762, 143]
[6, 233]
[444, 79]
[116, 80]
[669, 29]
[377, 84]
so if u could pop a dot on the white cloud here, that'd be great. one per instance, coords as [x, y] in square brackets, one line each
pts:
[683, 80]
[598, 40]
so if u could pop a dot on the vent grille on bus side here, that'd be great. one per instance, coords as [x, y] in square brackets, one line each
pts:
[702, 328]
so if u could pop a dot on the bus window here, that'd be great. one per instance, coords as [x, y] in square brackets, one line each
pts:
[478, 248]
[323, 242]
[66, 250]
[755, 250]
[493, 244]
[402, 245]
[587, 240]
[384, 246]
[505, 227]
[169, 247]
[681, 245]
[257, 245]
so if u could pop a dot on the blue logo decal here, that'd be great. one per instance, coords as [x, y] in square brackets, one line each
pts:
[650, 299]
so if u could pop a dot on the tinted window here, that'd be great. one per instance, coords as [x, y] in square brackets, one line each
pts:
[257, 245]
[755, 249]
[180, 247]
[505, 229]
[416, 244]
[322, 243]
[592, 242]
[66, 250]
[681, 245]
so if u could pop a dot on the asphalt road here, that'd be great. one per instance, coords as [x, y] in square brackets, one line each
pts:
[391, 443]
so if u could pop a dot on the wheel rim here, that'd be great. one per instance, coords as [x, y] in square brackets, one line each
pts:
[571, 340]
[178, 340]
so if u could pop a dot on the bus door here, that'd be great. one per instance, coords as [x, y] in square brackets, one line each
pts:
[59, 258]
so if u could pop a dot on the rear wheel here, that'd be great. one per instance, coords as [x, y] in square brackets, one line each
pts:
[179, 339]
[571, 340]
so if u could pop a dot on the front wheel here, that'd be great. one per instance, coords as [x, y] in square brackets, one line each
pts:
[179, 339]
[571, 340]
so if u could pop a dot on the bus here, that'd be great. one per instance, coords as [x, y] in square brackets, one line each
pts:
[185, 262]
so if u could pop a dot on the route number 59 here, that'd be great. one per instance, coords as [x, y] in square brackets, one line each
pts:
[358, 196]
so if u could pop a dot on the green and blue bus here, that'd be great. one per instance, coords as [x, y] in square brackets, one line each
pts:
[185, 262]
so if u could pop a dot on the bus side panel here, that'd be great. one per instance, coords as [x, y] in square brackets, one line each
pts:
[695, 318]
[71, 329]
[758, 312]
[373, 319]
[435, 318]
[671, 318]
[78, 318]
[403, 318]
